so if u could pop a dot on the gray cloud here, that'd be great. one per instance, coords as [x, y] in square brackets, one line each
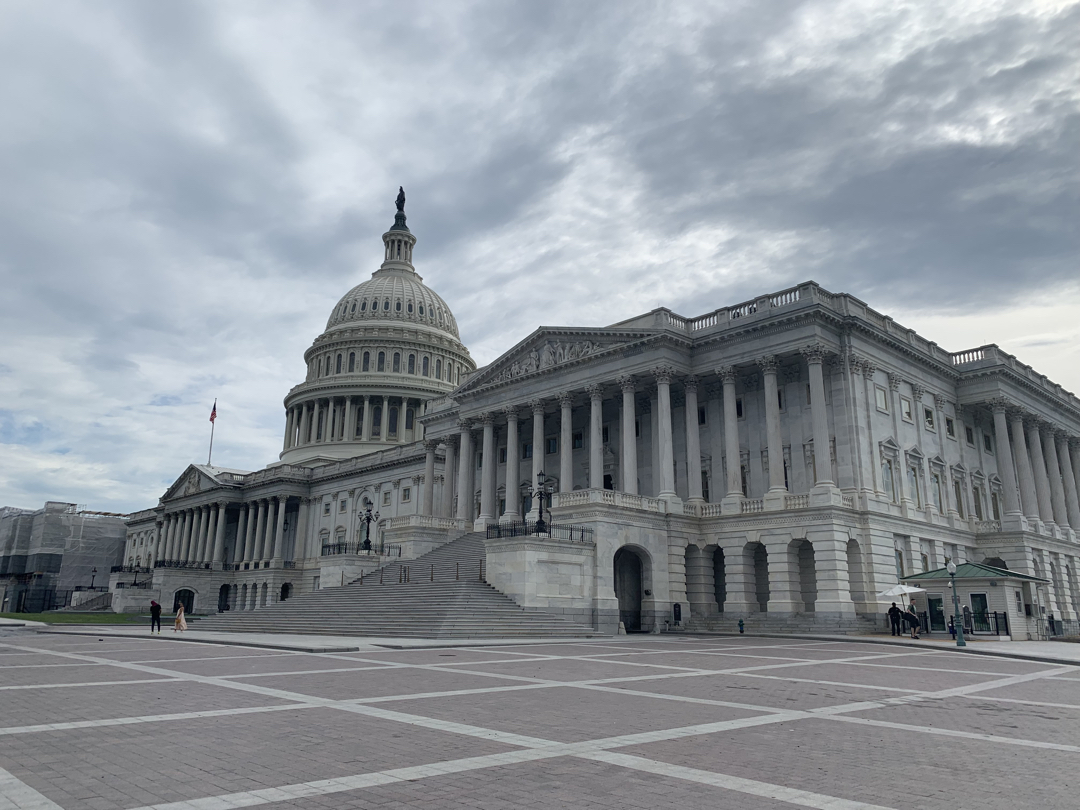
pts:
[190, 187]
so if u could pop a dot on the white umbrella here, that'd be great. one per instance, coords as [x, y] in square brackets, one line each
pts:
[901, 590]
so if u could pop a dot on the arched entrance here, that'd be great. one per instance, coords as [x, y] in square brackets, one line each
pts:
[856, 581]
[286, 591]
[628, 588]
[719, 578]
[761, 577]
[807, 574]
[185, 597]
[222, 599]
[241, 603]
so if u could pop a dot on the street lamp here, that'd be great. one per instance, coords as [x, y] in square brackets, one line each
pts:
[957, 621]
[539, 491]
[366, 519]
[93, 573]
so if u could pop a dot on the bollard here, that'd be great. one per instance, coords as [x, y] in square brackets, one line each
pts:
[380, 576]
[433, 572]
[361, 577]
[400, 575]
[457, 571]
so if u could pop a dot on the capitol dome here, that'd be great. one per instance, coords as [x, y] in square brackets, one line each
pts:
[390, 344]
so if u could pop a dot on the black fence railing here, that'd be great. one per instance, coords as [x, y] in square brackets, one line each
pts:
[559, 531]
[182, 564]
[1063, 628]
[98, 588]
[140, 585]
[989, 623]
[361, 548]
[130, 569]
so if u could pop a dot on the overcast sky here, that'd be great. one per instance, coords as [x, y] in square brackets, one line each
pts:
[186, 189]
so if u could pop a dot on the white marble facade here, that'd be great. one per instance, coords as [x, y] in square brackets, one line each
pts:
[691, 447]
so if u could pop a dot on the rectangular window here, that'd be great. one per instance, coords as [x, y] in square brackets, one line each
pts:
[552, 445]
[887, 481]
[406, 494]
[969, 435]
[881, 398]
[738, 408]
[409, 419]
[578, 440]
[326, 508]
[928, 418]
[604, 434]
[988, 443]
[526, 450]
[780, 398]
[745, 475]
[950, 427]
[502, 455]
[899, 564]
[905, 409]
[343, 505]
[935, 492]
[913, 485]
[976, 497]
[397, 362]
[959, 493]
[995, 505]
[386, 499]
[637, 428]
[701, 416]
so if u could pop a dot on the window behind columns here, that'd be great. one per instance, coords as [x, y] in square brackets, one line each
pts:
[438, 369]
[337, 367]
[352, 361]
[382, 362]
[426, 366]
[397, 362]
[412, 363]
[367, 362]
[392, 426]
[408, 418]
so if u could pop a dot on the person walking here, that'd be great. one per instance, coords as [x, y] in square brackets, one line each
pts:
[155, 617]
[895, 615]
[913, 620]
[180, 623]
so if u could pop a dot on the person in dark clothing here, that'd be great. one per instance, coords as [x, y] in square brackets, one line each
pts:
[913, 620]
[895, 614]
[155, 616]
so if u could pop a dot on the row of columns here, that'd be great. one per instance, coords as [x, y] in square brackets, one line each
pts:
[461, 448]
[194, 535]
[338, 416]
[1043, 487]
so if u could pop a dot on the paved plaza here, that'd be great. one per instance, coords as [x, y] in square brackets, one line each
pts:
[633, 722]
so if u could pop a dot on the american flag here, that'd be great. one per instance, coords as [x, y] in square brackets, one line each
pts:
[213, 412]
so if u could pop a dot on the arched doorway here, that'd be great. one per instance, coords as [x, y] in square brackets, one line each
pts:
[807, 574]
[761, 577]
[185, 597]
[628, 588]
[719, 578]
[286, 591]
[222, 599]
[241, 603]
[856, 581]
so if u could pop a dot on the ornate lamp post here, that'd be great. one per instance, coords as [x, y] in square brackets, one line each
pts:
[957, 621]
[542, 488]
[93, 573]
[366, 519]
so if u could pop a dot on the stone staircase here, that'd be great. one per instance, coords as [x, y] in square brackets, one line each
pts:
[439, 595]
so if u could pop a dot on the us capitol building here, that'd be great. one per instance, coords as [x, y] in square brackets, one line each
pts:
[788, 456]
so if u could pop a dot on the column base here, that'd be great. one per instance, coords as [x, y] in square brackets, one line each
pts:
[731, 505]
[783, 608]
[734, 608]
[837, 607]
[826, 495]
[1014, 523]
[774, 500]
[481, 523]
[508, 518]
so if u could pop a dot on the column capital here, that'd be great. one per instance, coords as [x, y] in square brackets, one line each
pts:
[537, 406]
[566, 398]
[727, 374]
[430, 445]
[939, 402]
[768, 364]
[487, 418]
[512, 413]
[464, 425]
[396, 483]
[626, 383]
[416, 479]
[663, 374]
[690, 383]
[917, 391]
[814, 353]
[595, 391]
[894, 381]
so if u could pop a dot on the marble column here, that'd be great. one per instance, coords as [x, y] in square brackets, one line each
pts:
[596, 436]
[176, 550]
[305, 424]
[1056, 474]
[537, 455]
[566, 442]
[1009, 492]
[775, 496]
[189, 528]
[206, 554]
[350, 419]
[1029, 502]
[447, 507]
[219, 537]
[253, 549]
[732, 454]
[279, 532]
[289, 415]
[629, 435]
[663, 376]
[1038, 465]
[465, 461]
[241, 530]
[512, 510]
[303, 537]
[384, 423]
[365, 424]
[169, 523]
[693, 443]
[815, 357]
[487, 474]
[198, 538]
[1072, 457]
[428, 505]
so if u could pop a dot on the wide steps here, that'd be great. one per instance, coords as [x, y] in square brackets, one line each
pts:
[439, 595]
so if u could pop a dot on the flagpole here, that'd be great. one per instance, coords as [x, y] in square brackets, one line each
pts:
[211, 453]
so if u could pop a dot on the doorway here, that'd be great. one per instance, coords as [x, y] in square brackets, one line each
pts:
[980, 613]
[222, 599]
[935, 607]
[185, 597]
[286, 591]
[628, 588]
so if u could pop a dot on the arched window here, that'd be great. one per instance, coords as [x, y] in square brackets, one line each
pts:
[397, 306]
[426, 365]
[367, 362]
[352, 362]
[408, 418]
[397, 362]
[363, 305]
[337, 366]
[421, 309]
[382, 362]
[438, 369]
[376, 420]
[410, 307]
[328, 361]
[392, 427]
[353, 308]
[386, 305]
[412, 363]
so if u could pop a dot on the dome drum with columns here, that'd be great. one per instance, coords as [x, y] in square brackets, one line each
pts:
[390, 344]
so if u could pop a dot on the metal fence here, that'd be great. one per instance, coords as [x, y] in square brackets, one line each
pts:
[1063, 628]
[181, 564]
[374, 550]
[559, 531]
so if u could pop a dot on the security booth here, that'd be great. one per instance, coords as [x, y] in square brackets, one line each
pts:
[995, 603]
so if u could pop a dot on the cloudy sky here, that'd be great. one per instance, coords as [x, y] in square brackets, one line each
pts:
[187, 188]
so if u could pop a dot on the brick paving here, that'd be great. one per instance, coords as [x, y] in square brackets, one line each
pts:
[636, 722]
